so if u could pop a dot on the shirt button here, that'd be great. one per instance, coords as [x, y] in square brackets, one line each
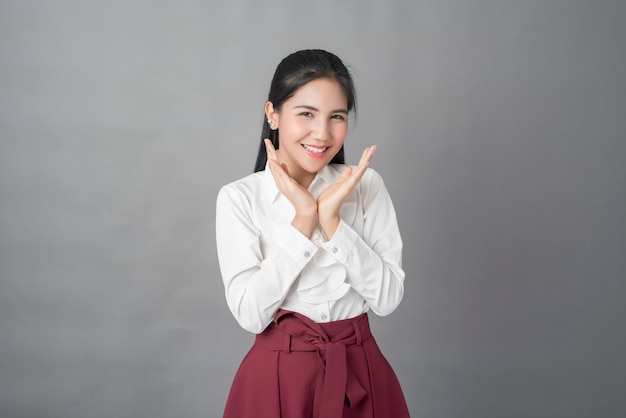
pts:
[307, 254]
[335, 250]
[324, 317]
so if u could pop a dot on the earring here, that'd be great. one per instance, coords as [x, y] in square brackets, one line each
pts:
[271, 123]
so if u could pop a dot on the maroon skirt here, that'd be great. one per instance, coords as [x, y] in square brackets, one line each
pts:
[298, 368]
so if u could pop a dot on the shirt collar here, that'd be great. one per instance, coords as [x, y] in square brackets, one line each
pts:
[325, 177]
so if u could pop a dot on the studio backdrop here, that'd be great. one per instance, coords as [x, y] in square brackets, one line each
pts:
[500, 130]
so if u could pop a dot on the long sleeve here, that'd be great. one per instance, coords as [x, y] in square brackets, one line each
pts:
[256, 279]
[373, 257]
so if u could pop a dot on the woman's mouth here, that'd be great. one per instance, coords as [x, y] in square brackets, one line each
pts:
[317, 151]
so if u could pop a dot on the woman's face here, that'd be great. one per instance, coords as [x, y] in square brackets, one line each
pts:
[313, 125]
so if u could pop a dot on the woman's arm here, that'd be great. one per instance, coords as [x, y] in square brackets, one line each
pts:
[255, 283]
[373, 260]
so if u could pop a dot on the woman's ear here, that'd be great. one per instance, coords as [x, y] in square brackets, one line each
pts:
[272, 115]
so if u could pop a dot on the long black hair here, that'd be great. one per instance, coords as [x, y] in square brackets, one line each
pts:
[293, 72]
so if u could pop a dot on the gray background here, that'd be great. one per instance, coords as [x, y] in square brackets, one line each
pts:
[501, 131]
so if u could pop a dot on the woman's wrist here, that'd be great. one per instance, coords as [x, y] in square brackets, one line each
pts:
[329, 225]
[305, 222]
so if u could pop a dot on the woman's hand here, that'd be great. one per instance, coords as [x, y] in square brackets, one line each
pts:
[330, 200]
[304, 204]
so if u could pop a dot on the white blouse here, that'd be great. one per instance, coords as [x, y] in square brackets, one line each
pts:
[267, 264]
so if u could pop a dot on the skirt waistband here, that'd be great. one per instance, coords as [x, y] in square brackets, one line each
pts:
[295, 332]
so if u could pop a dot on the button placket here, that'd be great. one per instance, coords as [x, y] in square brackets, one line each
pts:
[325, 313]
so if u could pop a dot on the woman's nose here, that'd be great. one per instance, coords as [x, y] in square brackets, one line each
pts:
[320, 130]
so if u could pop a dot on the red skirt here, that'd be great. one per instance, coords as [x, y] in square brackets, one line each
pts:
[298, 368]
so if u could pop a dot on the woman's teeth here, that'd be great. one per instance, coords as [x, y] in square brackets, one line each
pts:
[315, 150]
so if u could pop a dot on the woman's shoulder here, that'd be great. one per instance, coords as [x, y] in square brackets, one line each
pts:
[244, 186]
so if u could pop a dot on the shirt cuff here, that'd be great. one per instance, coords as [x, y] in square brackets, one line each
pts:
[296, 245]
[342, 242]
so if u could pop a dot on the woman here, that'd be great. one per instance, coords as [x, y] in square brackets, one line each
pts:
[307, 246]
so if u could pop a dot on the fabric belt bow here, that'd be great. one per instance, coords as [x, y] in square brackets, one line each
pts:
[335, 382]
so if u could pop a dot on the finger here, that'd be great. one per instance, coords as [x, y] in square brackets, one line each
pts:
[367, 155]
[345, 174]
[366, 158]
[274, 167]
[270, 150]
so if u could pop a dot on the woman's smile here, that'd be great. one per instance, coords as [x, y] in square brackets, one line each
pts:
[315, 151]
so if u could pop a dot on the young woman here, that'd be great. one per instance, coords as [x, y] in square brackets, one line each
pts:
[307, 246]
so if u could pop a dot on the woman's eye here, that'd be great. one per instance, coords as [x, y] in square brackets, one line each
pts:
[306, 114]
[338, 117]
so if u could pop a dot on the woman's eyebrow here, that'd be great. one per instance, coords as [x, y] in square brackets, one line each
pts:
[317, 110]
